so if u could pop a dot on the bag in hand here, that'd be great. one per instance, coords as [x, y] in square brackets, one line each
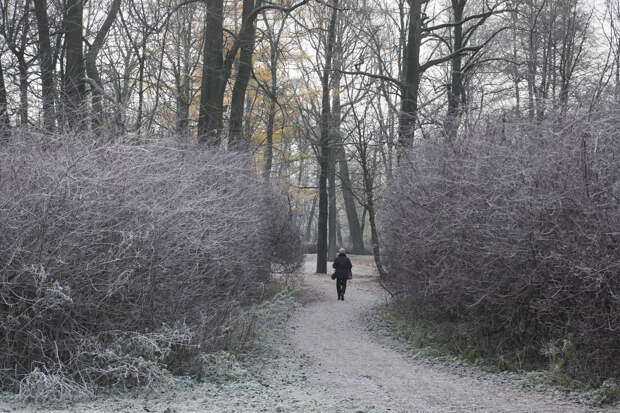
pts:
[350, 275]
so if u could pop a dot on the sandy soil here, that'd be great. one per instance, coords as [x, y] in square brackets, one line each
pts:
[324, 359]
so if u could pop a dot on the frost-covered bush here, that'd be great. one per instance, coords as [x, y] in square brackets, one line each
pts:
[518, 234]
[102, 244]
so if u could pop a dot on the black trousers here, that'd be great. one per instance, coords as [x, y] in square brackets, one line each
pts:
[341, 286]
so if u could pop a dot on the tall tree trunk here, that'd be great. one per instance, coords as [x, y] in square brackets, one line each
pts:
[236, 140]
[91, 64]
[74, 87]
[274, 50]
[184, 86]
[331, 187]
[23, 92]
[48, 88]
[321, 258]
[141, 58]
[211, 89]
[368, 179]
[183, 81]
[617, 91]
[268, 155]
[532, 58]
[409, 102]
[455, 91]
[355, 228]
[339, 233]
[515, 64]
[310, 219]
[183, 104]
[5, 125]
[355, 232]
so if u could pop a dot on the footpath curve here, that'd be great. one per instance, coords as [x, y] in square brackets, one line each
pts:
[344, 355]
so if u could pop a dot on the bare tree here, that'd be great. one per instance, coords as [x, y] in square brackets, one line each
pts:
[15, 28]
[46, 62]
[74, 89]
[5, 125]
[213, 83]
[91, 63]
[321, 259]
[463, 32]
[247, 35]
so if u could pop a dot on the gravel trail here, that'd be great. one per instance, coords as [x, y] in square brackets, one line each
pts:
[346, 356]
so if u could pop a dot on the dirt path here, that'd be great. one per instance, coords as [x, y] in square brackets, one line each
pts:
[325, 360]
[346, 356]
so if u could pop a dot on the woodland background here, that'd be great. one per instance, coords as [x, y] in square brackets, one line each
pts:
[160, 159]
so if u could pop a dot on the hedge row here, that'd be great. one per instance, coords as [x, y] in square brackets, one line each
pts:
[119, 260]
[517, 236]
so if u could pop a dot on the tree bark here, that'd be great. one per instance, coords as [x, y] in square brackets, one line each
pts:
[331, 187]
[367, 174]
[268, 155]
[355, 228]
[355, 232]
[74, 87]
[273, 62]
[141, 57]
[184, 85]
[409, 103]
[91, 63]
[5, 125]
[236, 140]
[310, 219]
[46, 62]
[455, 91]
[212, 87]
[321, 258]
[23, 92]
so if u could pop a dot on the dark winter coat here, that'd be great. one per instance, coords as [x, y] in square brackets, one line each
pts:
[343, 265]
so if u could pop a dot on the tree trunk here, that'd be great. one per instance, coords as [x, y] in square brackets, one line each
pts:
[23, 92]
[339, 233]
[236, 140]
[5, 125]
[270, 125]
[455, 91]
[321, 258]
[211, 89]
[310, 219]
[355, 232]
[617, 91]
[74, 87]
[331, 186]
[274, 40]
[184, 85]
[91, 64]
[142, 58]
[273, 59]
[355, 228]
[515, 64]
[370, 206]
[409, 103]
[48, 88]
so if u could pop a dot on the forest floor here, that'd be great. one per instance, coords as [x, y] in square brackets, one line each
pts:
[329, 356]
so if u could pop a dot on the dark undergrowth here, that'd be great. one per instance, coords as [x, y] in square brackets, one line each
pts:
[428, 331]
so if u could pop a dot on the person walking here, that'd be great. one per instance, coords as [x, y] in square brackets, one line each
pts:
[342, 265]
